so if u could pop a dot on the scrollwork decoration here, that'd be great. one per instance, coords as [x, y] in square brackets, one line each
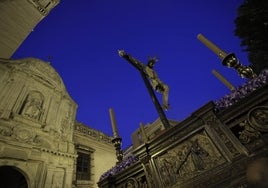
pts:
[258, 118]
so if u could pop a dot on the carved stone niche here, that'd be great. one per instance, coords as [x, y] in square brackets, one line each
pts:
[32, 106]
[192, 157]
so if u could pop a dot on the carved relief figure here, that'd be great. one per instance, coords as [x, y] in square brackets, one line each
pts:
[33, 105]
[187, 159]
[198, 154]
[192, 152]
[167, 171]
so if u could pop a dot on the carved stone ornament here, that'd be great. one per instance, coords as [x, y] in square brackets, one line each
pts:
[6, 131]
[131, 183]
[149, 176]
[258, 118]
[190, 158]
[92, 133]
[248, 134]
[23, 135]
[38, 69]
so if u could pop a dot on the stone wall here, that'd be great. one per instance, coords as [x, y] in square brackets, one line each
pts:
[36, 123]
[18, 18]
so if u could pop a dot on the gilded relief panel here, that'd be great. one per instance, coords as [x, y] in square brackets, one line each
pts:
[188, 159]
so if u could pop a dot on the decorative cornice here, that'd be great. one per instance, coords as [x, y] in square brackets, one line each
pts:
[44, 6]
[96, 135]
[58, 153]
[36, 68]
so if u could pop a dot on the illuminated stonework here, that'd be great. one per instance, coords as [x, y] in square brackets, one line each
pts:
[44, 6]
[18, 19]
[39, 135]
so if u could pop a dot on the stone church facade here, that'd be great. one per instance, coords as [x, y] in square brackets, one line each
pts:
[41, 143]
[39, 137]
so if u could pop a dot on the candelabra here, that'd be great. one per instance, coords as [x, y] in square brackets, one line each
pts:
[228, 60]
[117, 141]
[232, 62]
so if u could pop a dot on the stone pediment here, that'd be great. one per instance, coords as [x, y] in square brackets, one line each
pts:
[37, 68]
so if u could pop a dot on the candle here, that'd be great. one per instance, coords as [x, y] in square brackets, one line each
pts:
[223, 80]
[144, 136]
[212, 46]
[115, 132]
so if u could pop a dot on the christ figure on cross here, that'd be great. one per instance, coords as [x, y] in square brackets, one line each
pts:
[150, 73]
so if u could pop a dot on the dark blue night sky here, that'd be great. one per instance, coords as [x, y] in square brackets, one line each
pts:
[81, 38]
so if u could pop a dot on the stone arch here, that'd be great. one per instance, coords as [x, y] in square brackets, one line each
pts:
[13, 177]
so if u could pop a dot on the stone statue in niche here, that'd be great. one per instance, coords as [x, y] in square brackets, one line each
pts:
[33, 106]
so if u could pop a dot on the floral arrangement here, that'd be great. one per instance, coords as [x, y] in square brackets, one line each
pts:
[242, 91]
[127, 162]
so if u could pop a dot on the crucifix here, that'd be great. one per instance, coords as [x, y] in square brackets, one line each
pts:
[152, 82]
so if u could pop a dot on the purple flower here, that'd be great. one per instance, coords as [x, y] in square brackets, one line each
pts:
[242, 91]
[130, 160]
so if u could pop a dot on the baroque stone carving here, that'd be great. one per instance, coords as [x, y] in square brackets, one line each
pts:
[256, 123]
[131, 183]
[190, 158]
[6, 131]
[248, 134]
[149, 176]
[66, 121]
[92, 133]
[38, 69]
[216, 126]
[258, 118]
[23, 135]
[142, 183]
[32, 107]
